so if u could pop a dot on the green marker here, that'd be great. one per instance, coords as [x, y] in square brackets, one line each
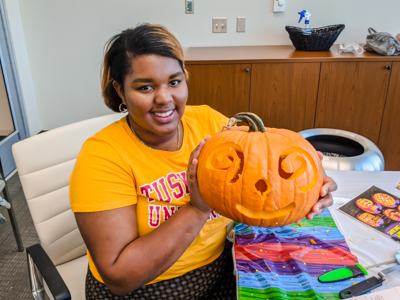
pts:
[342, 274]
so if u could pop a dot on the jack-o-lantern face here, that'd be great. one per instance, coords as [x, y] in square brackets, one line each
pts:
[259, 178]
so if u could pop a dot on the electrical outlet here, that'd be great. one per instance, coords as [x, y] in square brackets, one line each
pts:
[240, 24]
[279, 5]
[219, 25]
[189, 6]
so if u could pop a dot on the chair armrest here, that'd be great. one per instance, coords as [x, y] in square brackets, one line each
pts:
[41, 268]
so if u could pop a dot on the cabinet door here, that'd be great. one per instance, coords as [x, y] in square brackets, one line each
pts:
[352, 97]
[225, 88]
[284, 95]
[389, 138]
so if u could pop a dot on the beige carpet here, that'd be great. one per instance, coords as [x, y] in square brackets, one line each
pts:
[14, 281]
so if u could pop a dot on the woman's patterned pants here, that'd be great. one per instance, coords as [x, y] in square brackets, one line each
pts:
[214, 281]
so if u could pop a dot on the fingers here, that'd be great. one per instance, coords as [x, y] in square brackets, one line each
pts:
[326, 199]
[320, 155]
[329, 186]
[196, 200]
[320, 206]
[313, 214]
[192, 170]
[193, 163]
[196, 152]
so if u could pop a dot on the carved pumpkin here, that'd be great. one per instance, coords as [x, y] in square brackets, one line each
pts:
[259, 176]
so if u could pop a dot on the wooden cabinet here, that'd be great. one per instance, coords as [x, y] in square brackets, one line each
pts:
[303, 89]
[284, 95]
[389, 138]
[352, 97]
[225, 88]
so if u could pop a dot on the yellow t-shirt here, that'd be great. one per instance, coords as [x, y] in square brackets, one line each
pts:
[114, 169]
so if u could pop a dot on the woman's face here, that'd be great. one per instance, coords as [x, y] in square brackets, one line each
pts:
[155, 93]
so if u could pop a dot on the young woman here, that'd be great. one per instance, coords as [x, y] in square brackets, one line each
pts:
[134, 192]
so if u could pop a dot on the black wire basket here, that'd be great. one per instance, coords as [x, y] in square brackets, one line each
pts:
[318, 39]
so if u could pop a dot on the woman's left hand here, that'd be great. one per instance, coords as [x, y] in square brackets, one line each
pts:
[325, 200]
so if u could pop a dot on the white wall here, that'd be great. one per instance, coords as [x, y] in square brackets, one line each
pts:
[64, 39]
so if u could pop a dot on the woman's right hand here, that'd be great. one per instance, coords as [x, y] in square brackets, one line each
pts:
[196, 199]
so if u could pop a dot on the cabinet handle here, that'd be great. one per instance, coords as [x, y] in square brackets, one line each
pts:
[247, 69]
[388, 67]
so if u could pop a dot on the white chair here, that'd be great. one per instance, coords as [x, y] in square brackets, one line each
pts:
[44, 162]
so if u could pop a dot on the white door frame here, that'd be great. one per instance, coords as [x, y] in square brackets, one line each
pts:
[12, 85]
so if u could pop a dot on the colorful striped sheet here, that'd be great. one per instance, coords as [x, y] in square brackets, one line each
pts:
[282, 263]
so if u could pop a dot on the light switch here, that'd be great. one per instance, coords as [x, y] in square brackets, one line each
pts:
[219, 25]
[189, 6]
[240, 24]
[279, 5]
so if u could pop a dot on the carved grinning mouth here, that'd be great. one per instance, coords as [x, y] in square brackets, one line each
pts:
[265, 214]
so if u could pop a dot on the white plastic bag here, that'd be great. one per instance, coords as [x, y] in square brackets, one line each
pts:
[382, 43]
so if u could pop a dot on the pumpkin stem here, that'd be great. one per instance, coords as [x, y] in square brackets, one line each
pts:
[247, 118]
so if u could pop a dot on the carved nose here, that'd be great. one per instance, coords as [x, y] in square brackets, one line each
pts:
[262, 188]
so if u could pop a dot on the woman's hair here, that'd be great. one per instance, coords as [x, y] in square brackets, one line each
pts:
[145, 39]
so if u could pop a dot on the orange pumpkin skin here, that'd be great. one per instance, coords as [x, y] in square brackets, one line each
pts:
[265, 179]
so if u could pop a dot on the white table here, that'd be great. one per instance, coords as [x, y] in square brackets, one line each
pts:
[367, 244]
[352, 183]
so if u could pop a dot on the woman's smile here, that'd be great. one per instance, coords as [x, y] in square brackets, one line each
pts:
[164, 117]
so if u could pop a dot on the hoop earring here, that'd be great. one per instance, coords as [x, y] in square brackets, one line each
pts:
[121, 109]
